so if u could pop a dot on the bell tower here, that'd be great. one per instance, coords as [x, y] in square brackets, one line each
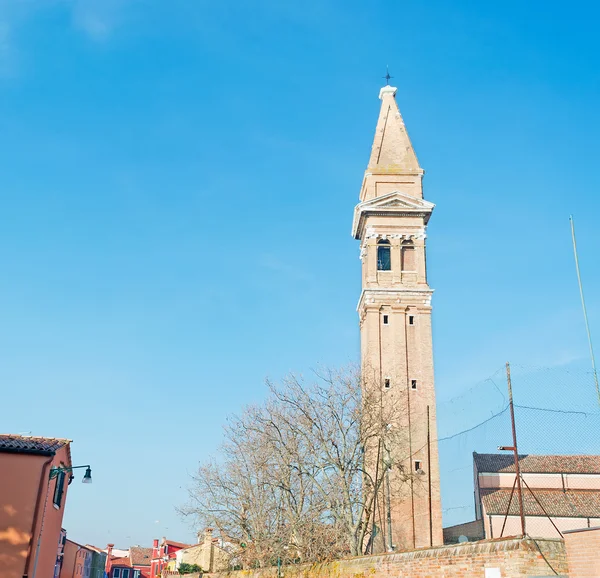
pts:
[394, 309]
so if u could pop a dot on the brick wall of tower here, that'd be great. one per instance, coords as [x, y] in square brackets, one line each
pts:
[405, 353]
[392, 211]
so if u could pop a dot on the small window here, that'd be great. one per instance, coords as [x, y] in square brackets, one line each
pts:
[384, 259]
[411, 319]
[125, 573]
[413, 383]
[386, 319]
[387, 382]
[418, 466]
[117, 573]
[408, 256]
[59, 488]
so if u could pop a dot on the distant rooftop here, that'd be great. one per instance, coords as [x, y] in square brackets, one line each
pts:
[121, 561]
[31, 444]
[537, 464]
[176, 544]
[140, 556]
[556, 503]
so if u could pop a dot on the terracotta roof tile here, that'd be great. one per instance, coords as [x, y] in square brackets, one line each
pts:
[177, 544]
[140, 556]
[31, 444]
[557, 503]
[124, 562]
[538, 464]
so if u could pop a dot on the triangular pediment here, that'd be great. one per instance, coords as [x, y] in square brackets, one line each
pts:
[396, 202]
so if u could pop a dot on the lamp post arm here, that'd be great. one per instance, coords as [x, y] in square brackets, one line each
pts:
[56, 470]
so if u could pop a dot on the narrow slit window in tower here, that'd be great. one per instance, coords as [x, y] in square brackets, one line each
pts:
[418, 466]
[387, 383]
[408, 256]
[386, 320]
[413, 383]
[411, 319]
[384, 259]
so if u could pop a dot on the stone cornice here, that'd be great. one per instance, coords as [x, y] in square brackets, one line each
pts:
[394, 204]
[373, 295]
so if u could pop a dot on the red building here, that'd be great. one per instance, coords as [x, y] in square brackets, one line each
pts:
[34, 477]
[135, 565]
[162, 554]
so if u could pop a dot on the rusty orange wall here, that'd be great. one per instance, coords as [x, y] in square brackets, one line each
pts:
[52, 523]
[70, 555]
[19, 483]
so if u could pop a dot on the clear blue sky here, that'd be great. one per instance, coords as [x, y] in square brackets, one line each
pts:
[177, 186]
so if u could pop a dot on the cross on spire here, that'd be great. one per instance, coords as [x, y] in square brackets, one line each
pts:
[387, 76]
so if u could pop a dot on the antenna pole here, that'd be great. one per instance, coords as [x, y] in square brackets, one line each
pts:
[515, 449]
[585, 316]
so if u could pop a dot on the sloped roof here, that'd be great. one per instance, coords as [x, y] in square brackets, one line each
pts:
[537, 464]
[176, 544]
[31, 444]
[557, 503]
[392, 149]
[140, 556]
[126, 562]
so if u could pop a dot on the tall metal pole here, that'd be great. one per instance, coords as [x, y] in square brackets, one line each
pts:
[515, 448]
[585, 316]
[375, 500]
[389, 509]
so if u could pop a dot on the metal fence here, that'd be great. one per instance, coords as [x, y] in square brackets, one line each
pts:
[557, 426]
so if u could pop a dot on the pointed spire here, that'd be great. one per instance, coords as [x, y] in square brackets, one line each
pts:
[392, 150]
[393, 165]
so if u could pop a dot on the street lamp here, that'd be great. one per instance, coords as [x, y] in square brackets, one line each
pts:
[87, 477]
[54, 473]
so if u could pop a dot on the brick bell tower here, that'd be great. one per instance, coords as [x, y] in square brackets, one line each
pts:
[394, 308]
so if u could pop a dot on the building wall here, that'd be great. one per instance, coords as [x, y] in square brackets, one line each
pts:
[22, 475]
[69, 555]
[52, 521]
[77, 561]
[513, 558]
[83, 563]
[541, 481]
[472, 530]
[583, 553]
[98, 565]
[535, 526]
[195, 555]
[143, 570]
[208, 555]
[19, 484]
[60, 555]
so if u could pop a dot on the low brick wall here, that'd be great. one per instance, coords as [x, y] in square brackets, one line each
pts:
[505, 558]
[583, 552]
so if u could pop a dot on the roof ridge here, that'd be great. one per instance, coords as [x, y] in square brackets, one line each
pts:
[29, 437]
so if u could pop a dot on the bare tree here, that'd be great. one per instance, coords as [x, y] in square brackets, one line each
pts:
[298, 477]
